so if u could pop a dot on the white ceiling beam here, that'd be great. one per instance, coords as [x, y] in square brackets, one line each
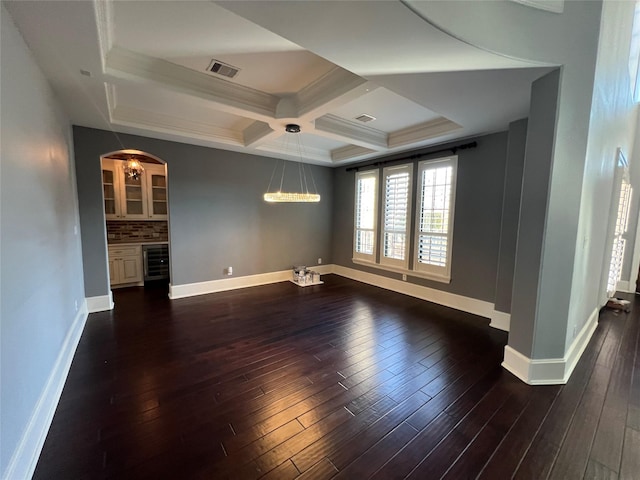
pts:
[229, 97]
[257, 133]
[350, 152]
[162, 123]
[334, 89]
[337, 128]
[422, 132]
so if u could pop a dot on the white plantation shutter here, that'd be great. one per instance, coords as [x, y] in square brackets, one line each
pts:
[397, 204]
[364, 243]
[434, 223]
[619, 242]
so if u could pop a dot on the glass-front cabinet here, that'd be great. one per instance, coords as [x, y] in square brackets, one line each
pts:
[128, 198]
[133, 198]
[109, 191]
[157, 191]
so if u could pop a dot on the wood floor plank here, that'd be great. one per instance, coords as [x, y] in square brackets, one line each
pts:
[411, 454]
[630, 465]
[284, 471]
[477, 453]
[345, 451]
[542, 453]
[320, 471]
[344, 380]
[597, 471]
[306, 457]
[376, 456]
[436, 463]
[508, 454]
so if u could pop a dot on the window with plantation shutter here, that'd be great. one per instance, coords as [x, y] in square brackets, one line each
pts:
[396, 205]
[434, 222]
[621, 208]
[364, 242]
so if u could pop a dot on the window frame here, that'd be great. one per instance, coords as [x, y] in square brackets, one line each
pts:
[435, 272]
[440, 274]
[360, 256]
[386, 173]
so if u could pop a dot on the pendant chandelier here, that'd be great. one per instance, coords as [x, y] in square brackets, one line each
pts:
[133, 168]
[304, 195]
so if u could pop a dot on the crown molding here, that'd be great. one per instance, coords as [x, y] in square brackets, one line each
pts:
[350, 132]
[422, 131]
[232, 98]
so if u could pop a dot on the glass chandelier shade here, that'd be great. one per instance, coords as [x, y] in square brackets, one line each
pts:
[283, 197]
[304, 196]
[133, 168]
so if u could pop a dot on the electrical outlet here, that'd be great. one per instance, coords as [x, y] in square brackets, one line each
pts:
[229, 271]
[75, 303]
[404, 277]
[319, 261]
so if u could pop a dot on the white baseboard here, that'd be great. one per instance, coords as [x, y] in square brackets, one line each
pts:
[459, 302]
[500, 320]
[550, 371]
[224, 284]
[232, 283]
[465, 304]
[100, 303]
[581, 341]
[25, 457]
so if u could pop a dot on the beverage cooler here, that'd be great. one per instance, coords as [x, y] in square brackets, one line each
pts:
[156, 262]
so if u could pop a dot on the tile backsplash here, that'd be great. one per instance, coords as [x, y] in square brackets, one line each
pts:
[132, 231]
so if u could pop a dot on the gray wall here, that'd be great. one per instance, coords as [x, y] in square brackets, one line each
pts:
[217, 215]
[510, 214]
[533, 216]
[477, 224]
[612, 125]
[572, 248]
[41, 274]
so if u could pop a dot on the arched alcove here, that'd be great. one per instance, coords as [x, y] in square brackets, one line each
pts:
[136, 218]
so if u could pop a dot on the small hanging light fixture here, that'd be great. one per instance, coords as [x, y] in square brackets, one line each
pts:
[304, 196]
[133, 168]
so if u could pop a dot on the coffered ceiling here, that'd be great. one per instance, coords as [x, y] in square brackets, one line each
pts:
[142, 67]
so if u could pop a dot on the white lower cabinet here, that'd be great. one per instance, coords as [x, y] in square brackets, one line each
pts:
[125, 264]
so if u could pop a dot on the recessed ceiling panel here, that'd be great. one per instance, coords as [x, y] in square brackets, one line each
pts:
[277, 73]
[392, 111]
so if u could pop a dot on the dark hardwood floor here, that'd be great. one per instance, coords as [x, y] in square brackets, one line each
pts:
[342, 380]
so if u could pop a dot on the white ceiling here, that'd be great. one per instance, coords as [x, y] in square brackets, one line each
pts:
[315, 63]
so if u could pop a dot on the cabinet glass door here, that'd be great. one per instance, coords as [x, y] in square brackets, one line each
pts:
[111, 207]
[133, 197]
[158, 195]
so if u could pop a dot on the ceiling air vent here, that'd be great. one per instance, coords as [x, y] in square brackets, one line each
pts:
[223, 69]
[364, 118]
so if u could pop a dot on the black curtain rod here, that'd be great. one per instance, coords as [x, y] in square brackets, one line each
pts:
[416, 156]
